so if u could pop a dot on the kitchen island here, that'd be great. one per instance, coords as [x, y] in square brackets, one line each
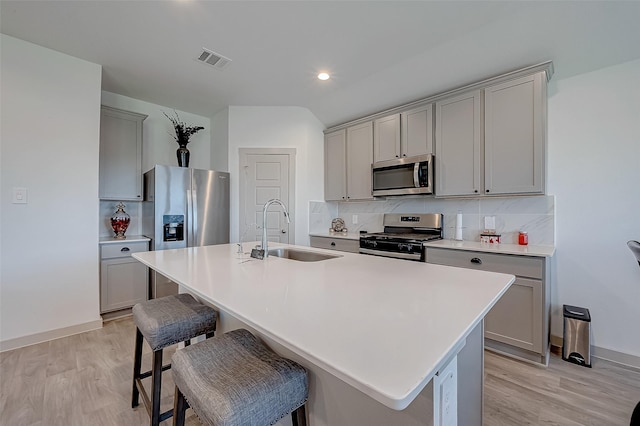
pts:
[381, 326]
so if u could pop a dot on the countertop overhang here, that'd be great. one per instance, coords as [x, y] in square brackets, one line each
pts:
[384, 326]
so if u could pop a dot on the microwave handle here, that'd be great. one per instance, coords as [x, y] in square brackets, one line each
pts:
[416, 175]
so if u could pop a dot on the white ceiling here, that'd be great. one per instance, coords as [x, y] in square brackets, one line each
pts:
[380, 53]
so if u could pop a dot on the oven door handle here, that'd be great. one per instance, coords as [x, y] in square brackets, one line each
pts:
[409, 256]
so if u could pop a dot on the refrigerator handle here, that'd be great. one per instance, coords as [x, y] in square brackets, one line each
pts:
[194, 220]
[189, 215]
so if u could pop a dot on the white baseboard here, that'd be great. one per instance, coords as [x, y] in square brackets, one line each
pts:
[627, 360]
[45, 336]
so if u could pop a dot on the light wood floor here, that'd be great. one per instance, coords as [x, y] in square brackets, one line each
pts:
[86, 380]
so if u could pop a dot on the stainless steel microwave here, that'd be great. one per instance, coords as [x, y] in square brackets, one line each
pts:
[403, 176]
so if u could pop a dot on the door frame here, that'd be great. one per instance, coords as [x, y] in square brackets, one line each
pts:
[242, 163]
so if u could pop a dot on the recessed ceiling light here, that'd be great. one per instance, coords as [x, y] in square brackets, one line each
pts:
[323, 76]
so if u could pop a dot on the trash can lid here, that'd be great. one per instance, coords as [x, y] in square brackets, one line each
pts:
[576, 312]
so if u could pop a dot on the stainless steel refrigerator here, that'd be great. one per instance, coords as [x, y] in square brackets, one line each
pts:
[183, 207]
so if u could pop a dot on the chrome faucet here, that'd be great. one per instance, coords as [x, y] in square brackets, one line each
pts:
[264, 221]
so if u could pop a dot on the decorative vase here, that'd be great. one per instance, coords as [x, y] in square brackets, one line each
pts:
[120, 222]
[183, 156]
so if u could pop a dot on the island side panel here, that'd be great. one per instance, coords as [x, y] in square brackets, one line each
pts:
[333, 402]
[471, 378]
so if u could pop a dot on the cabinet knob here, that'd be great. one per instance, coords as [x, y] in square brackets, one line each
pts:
[333, 244]
[397, 156]
[487, 190]
[476, 260]
[475, 190]
[284, 231]
[125, 249]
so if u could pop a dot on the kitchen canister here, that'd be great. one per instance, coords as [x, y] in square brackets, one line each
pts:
[490, 238]
[120, 222]
[523, 238]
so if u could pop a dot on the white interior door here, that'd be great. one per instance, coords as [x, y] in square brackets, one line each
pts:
[266, 174]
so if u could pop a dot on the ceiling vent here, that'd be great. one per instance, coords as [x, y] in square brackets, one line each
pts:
[216, 60]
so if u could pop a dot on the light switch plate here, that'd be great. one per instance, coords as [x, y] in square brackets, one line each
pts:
[19, 195]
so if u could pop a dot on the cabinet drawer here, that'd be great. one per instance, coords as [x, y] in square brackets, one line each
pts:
[523, 266]
[340, 244]
[124, 249]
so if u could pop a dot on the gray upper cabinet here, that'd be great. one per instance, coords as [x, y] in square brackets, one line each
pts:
[501, 154]
[348, 158]
[386, 138]
[488, 138]
[515, 129]
[458, 142]
[120, 154]
[359, 160]
[335, 163]
[417, 131]
[406, 134]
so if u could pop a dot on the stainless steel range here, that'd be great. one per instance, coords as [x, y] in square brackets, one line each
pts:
[403, 235]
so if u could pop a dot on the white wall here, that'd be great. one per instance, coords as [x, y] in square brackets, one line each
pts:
[50, 145]
[280, 127]
[158, 147]
[594, 172]
[220, 141]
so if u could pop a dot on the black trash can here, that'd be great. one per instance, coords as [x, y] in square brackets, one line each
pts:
[576, 337]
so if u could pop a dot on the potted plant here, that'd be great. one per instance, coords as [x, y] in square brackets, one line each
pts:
[182, 135]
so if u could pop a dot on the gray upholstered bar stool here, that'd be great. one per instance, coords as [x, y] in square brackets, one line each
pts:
[235, 380]
[164, 322]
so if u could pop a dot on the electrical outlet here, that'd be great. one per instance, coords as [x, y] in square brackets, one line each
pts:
[19, 195]
[489, 222]
[354, 219]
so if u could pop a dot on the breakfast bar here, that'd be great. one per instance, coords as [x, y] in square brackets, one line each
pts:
[375, 333]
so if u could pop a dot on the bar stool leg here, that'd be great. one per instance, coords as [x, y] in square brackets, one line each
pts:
[180, 406]
[156, 386]
[299, 417]
[137, 364]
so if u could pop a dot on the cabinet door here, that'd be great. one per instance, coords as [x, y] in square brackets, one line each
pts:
[514, 136]
[417, 131]
[386, 138]
[120, 155]
[335, 166]
[123, 283]
[359, 159]
[340, 244]
[516, 319]
[458, 140]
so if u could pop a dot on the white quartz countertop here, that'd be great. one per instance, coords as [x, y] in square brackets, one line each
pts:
[382, 325]
[344, 236]
[529, 250]
[129, 239]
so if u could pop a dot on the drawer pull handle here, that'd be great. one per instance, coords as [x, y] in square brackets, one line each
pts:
[476, 260]
[333, 244]
[124, 249]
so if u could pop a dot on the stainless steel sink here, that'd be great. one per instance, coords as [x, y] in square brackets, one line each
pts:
[301, 255]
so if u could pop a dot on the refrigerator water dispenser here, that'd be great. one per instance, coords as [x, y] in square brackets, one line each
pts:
[173, 227]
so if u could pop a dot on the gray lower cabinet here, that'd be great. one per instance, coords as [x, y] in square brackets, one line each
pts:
[123, 280]
[340, 244]
[518, 324]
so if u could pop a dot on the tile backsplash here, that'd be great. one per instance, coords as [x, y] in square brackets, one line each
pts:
[533, 214]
